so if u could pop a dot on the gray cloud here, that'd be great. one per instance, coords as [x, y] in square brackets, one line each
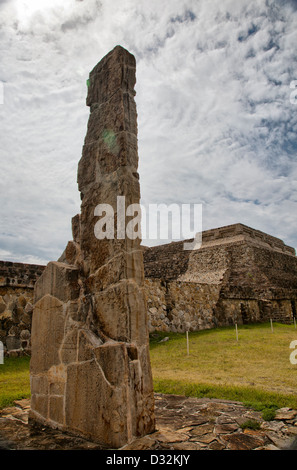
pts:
[82, 18]
[213, 96]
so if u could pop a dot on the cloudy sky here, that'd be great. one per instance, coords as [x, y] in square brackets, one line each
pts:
[217, 117]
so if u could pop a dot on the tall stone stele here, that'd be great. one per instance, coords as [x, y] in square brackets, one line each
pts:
[90, 366]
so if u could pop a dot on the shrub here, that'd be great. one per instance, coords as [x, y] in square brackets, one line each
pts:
[251, 424]
[268, 414]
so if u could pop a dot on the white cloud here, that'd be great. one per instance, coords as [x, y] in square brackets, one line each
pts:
[215, 120]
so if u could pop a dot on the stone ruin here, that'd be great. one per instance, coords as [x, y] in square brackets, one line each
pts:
[238, 275]
[90, 366]
[90, 369]
[17, 282]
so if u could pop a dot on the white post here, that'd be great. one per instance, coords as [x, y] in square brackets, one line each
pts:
[236, 330]
[187, 335]
[271, 325]
[1, 353]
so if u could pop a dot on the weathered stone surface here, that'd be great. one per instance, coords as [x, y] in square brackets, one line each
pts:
[121, 310]
[285, 413]
[170, 437]
[96, 253]
[94, 407]
[58, 280]
[202, 429]
[120, 267]
[90, 367]
[115, 71]
[110, 118]
[47, 333]
[16, 297]
[175, 435]
[238, 275]
[226, 428]
[242, 442]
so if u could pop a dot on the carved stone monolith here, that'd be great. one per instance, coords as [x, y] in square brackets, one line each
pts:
[90, 366]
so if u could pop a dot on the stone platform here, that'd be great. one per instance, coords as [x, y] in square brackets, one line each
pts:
[182, 423]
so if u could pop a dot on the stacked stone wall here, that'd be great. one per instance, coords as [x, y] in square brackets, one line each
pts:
[17, 282]
[239, 274]
[180, 306]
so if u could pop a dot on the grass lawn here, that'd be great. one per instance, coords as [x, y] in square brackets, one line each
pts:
[256, 370]
[14, 380]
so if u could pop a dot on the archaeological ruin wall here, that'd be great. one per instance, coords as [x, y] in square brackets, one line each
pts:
[238, 275]
[17, 282]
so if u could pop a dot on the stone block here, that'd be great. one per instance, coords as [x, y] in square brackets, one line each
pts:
[75, 225]
[112, 117]
[93, 407]
[122, 266]
[89, 331]
[39, 404]
[58, 280]
[57, 376]
[68, 349]
[113, 360]
[56, 409]
[121, 312]
[12, 343]
[87, 343]
[71, 255]
[39, 384]
[25, 334]
[115, 71]
[106, 155]
[47, 333]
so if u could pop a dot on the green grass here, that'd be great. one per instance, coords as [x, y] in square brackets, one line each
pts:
[257, 399]
[251, 424]
[256, 370]
[14, 380]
